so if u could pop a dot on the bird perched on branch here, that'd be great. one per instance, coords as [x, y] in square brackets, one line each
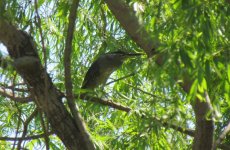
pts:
[103, 67]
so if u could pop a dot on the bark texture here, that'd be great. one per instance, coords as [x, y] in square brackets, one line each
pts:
[203, 139]
[22, 50]
[132, 26]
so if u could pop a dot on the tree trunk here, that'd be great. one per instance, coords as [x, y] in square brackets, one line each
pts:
[27, 63]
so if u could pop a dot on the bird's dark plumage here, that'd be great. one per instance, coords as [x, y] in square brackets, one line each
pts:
[103, 67]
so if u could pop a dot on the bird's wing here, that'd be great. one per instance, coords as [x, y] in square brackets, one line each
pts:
[91, 74]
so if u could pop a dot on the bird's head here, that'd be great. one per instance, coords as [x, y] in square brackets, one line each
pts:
[121, 55]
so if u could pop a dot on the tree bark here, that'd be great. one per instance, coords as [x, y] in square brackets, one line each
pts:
[203, 139]
[23, 51]
[132, 26]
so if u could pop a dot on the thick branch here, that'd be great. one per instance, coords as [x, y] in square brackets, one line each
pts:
[204, 133]
[132, 26]
[23, 51]
[126, 16]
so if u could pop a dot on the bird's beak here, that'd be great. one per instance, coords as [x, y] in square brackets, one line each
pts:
[135, 54]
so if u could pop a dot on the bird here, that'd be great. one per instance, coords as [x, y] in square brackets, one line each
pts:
[100, 70]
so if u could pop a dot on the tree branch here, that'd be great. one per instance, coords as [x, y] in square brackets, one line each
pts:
[33, 137]
[26, 123]
[109, 103]
[13, 88]
[127, 109]
[126, 16]
[18, 124]
[132, 26]
[127, 76]
[204, 133]
[87, 144]
[45, 128]
[222, 136]
[11, 96]
[23, 51]
[175, 127]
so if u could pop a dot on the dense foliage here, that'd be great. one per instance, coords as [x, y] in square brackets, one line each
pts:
[193, 37]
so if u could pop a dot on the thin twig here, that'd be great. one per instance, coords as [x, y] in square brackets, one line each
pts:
[26, 123]
[109, 103]
[41, 34]
[222, 136]
[104, 25]
[147, 93]
[14, 78]
[45, 129]
[18, 125]
[13, 87]
[16, 89]
[9, 95]
[131, 74]
[175, 127]
[32, 137]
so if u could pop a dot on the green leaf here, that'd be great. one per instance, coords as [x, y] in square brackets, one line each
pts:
[40, 3]
[185, 58]
[193, 90]
[217, 70]
[228, 73]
